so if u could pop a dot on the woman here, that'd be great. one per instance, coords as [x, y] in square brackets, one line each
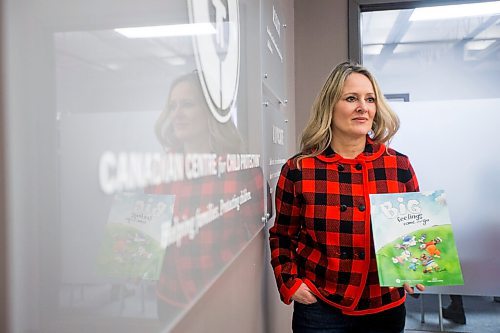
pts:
[321, 243]
[186, 124]
[215, 237]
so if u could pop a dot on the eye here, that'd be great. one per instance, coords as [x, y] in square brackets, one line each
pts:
[182, 104]
[187, 104]
[370, 99]
[351, 99]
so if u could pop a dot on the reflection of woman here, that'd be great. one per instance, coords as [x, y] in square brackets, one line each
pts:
[186, 124]
[190, 265]
[322, 248]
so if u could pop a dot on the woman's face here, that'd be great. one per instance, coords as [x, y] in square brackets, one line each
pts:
[354, 112]
[188, 113]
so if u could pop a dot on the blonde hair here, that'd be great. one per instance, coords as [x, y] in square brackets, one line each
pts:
[317, 135]
[222, 137]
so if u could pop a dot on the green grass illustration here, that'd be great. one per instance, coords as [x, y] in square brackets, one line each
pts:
[409, 268]
[128, 252]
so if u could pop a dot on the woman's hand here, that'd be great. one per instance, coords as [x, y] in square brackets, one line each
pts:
[410, 290]
[304, 295]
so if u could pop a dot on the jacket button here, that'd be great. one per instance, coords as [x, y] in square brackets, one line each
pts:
[361, 255]
[343, 208]
[343, 255]
[361, 208]
[340, 167]
[359, 166]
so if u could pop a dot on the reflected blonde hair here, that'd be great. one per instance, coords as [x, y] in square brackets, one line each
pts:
[317, 135]
[222, 137]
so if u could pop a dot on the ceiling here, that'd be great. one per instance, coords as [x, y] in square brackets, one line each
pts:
[391, 36]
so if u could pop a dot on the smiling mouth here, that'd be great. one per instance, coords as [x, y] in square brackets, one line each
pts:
[360, 119]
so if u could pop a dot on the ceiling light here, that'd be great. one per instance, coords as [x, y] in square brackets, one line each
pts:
[456, 11]
[168, 30]
[405, 48]
[176, 61]
[373, 49]
[478, 45]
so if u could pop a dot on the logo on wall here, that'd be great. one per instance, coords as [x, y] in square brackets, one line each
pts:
[218, 55]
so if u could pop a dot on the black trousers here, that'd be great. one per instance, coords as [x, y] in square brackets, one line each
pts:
[323, 318]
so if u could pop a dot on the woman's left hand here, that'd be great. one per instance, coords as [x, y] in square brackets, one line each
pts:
[410, 290]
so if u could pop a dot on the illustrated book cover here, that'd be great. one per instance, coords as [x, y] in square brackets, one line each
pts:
[413, 239]
[135, 238]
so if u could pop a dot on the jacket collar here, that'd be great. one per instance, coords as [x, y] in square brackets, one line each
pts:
[372, 151]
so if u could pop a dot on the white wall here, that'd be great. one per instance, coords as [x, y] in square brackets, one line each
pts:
[320, 44]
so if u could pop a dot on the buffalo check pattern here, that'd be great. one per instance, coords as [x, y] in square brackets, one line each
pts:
[322, 236]
[190, 266]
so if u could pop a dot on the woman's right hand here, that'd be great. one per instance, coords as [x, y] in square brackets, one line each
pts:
[304, 295]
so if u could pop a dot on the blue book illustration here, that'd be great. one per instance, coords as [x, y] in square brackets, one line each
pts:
[413, 239]
[135, 238]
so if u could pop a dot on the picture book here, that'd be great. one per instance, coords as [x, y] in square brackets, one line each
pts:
[414, 240]
[135, 237]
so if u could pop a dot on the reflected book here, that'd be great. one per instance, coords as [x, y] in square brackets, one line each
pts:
[135, 241]
[413, 239]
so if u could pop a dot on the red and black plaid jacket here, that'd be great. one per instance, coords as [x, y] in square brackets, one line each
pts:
[322, 233]
[188, 269]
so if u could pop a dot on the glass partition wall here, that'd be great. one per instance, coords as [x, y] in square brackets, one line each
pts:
[439, 66]
[135, 157]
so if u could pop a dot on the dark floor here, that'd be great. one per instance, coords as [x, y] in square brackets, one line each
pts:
[482, 314]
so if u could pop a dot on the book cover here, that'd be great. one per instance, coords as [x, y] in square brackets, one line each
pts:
[135, 238]
[413, 239]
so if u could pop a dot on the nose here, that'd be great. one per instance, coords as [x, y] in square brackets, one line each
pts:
[362, 107]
